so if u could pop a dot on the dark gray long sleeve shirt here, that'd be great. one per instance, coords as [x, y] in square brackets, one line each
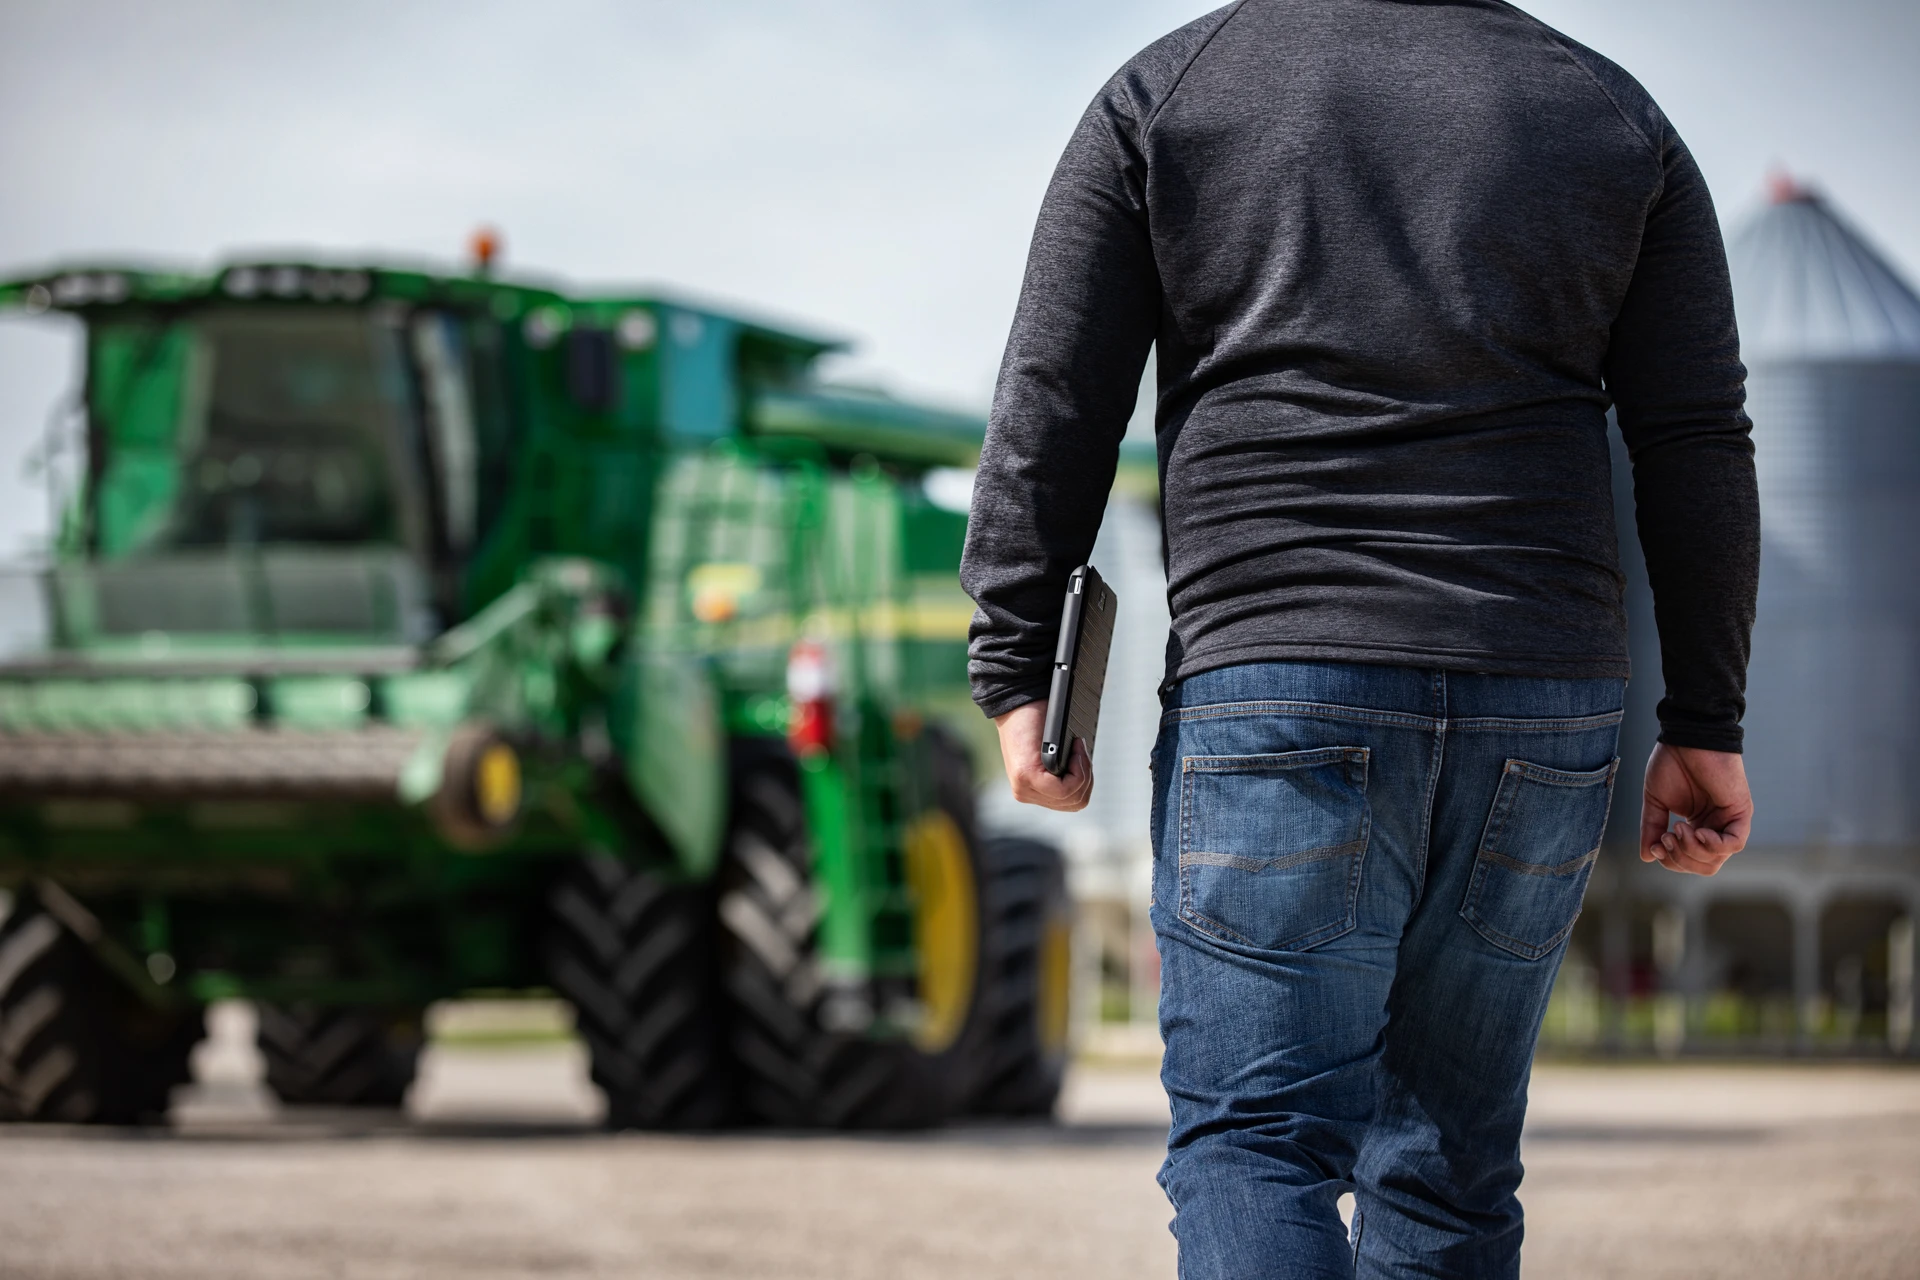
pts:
[1399, 258]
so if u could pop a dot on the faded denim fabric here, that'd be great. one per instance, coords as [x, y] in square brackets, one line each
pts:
[1364, 879]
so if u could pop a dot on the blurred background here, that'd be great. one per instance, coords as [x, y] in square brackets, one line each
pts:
[873, 170]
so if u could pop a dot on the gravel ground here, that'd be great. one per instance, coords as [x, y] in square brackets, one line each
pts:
[1752, 1172]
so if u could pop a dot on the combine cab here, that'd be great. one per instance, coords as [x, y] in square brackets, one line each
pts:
[416, 635]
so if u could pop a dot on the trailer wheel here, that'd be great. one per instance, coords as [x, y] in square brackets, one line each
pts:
[805, 1059]
[339, 1055]
[77, 1045]
[633, 951]
[1026, 973]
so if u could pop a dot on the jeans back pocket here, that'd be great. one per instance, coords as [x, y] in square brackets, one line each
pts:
[1271, 845]
[1536, 855]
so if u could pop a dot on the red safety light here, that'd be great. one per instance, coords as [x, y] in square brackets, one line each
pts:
[486, 247]
[810, 689]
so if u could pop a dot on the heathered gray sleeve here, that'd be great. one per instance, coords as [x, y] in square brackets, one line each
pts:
[1673, 368]
[1089, 310]
[1087, 315]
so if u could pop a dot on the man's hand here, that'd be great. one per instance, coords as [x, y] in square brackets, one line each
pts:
[1707, 791]
[1020, 731]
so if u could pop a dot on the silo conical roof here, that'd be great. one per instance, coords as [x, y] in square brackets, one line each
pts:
[1807, 286]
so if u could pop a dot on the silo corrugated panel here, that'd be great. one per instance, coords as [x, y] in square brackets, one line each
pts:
[1833, 718]
[1831, 337]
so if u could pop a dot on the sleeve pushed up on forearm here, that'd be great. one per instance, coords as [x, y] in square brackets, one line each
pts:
[1675, 374]
[1088, 313]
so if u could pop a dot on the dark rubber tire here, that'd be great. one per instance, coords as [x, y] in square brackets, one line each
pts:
[1025, 918]
[634, 952]
[800, 1067]
[77, 1045]
[339, 1055]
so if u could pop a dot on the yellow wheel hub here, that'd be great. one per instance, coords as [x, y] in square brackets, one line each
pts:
[1056, 981]
[947, 933]
[496, 785]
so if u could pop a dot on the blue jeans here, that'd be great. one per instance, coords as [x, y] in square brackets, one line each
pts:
[1364, 878]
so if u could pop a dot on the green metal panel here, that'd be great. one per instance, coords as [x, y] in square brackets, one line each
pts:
[109, 704]
[699, 395]
[137, 374]
[842, 869]
[432, 699]
[318, 702]
[854, 422]
[676, 756]
[934, 537]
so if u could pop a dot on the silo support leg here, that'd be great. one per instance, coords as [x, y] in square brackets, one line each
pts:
[1616, 967]
[1808, 1000]
[1900, 972]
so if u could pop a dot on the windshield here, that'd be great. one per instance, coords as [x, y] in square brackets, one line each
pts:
[254, 426]
[292, 428]
[296, 441]
[279, 469]
[264, 470]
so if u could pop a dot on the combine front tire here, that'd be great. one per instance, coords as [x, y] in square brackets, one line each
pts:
[339, 1056]
[77, 1045]
[633, 951]
[804, 1052]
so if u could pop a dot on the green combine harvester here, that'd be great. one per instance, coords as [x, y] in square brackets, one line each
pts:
[414, 635]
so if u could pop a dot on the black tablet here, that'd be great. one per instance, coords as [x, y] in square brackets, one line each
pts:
[1079, 668]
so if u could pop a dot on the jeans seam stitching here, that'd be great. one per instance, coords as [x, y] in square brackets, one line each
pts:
[1559, 870]
[1484, 858]
[1518, 946]
[1477, 878]
[1321, 710]
[1312, 757]
[1569, 724]
[1359, 864]
[1286, 861]
[1438, 758]
[1212, 928]
[1573, 779]
[1189, 914]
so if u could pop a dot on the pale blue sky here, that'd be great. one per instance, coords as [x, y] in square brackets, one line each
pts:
[870, 166]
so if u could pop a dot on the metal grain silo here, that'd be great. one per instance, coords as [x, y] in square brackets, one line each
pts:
[1815, 920]
[1831, 337]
